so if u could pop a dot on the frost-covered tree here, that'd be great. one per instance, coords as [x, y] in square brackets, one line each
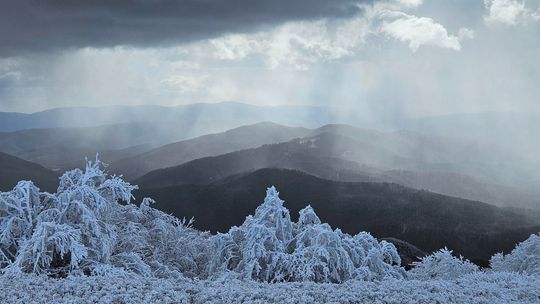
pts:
[89, 226]
[269, 247]
[525, 258]
[257, 249]
[442, 265]
[325, 255]
[18, 210]
[52, 248]
[168, 245]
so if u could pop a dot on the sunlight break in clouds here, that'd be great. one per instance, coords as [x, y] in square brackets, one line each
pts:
[418, 31]
[298, 45]
[509, 12]
[295, 45]
[410, 3]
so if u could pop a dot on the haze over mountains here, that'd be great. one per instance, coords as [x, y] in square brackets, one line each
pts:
[224, 115]
[515, 133]
[60, 138]
[208, 145]
[104, 129]
[488, 126]
[346, 153]
[213, 161]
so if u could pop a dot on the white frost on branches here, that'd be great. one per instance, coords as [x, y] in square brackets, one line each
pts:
[525, 258]
[89, 225]
[442, 265]
[270, 247]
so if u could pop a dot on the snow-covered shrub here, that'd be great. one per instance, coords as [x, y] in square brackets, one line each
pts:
[165, 243]
[257, 249]
[89, 223]
[442, 265]
[525, 258]
[269, 247]
[53, 248]
[17, 219]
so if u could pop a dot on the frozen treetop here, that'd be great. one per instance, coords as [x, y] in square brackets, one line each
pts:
[270, 247]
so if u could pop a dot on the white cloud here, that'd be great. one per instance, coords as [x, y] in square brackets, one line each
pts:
[235, 46]
[410, 3]
[509, 12]
[294, 45]
[417, 31]
[299, 45]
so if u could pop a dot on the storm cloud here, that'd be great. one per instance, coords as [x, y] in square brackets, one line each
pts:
[380, 57]
[28, 26]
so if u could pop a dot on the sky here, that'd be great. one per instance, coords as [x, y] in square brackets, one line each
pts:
[405, 57]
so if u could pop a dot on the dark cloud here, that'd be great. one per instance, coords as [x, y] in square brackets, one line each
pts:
[37, 25]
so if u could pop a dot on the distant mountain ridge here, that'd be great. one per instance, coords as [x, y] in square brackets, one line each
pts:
[58, 148]
[288, 155]
[60, 138]
[345, 153]
[208, 145]
[231, 114]
[64, 148]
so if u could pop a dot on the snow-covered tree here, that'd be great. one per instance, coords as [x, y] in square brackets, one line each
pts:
[257, 249]
[168, 245]
[90, 223]
[269, 247]
[18, 209]
[525, 258]
[53, 249]
[325, 255]
[442, 265]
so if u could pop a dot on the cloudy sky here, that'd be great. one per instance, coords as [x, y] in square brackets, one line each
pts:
[407, 57]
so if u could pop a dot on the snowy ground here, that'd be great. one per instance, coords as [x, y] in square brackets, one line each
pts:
[477, 288]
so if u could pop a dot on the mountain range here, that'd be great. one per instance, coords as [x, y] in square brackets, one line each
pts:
[225, 115]
[432, 182]
[337, 152]
[208, 145]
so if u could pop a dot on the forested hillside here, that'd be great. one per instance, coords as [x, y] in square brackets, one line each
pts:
[14, 169]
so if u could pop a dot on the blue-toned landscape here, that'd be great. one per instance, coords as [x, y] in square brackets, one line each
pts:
[301, 151]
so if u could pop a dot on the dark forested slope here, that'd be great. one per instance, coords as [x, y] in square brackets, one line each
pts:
[13, 170]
